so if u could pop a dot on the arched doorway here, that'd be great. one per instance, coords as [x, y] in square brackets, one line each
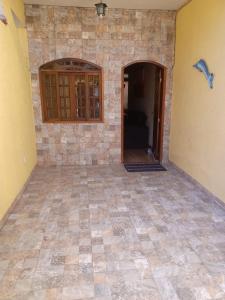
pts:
[142, 112]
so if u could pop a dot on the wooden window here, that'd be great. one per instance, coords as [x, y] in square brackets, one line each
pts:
[71, 91]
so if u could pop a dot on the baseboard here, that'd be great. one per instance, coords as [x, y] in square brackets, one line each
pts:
[12, 206]
[210, 195]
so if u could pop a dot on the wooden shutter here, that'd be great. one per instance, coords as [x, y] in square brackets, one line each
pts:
[65, 97]
[94, 94]
[50, 96]
[80, 96]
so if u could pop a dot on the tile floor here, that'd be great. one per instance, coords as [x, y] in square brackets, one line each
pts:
[101, 233]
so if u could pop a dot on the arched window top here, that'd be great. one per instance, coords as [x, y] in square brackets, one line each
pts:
[70, 64]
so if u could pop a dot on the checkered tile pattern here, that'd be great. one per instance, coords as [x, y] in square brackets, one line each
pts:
[100, 233]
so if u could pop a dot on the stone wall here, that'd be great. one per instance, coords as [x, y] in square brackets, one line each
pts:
[122, 37]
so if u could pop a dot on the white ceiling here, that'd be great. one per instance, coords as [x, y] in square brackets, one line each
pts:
[131, 4]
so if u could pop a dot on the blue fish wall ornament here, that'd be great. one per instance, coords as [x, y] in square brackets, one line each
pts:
[202, 67]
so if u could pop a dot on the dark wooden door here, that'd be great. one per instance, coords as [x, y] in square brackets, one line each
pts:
[158, 114]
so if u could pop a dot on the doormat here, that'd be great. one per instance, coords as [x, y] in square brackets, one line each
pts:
[144, 168]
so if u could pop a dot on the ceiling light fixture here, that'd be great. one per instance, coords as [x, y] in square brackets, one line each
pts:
[100, 9]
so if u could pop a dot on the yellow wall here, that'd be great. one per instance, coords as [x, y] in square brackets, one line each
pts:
[17, 137]
[198, 114]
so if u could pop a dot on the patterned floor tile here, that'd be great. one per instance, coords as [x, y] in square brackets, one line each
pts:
[100, 233]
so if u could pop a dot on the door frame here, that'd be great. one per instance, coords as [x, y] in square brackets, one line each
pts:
[163, 97]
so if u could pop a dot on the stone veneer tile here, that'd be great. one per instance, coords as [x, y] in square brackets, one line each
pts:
[122, 37]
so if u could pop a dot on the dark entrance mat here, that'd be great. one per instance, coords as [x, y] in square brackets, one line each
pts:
[144, 167]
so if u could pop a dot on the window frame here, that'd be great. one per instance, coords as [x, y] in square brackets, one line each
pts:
[98, 71]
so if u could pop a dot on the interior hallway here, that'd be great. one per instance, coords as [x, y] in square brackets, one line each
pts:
[102, 233]
[138, 156]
